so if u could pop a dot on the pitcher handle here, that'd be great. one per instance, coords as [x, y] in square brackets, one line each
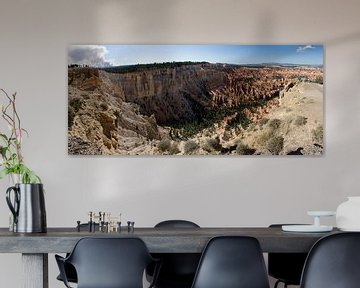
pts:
[13, 208]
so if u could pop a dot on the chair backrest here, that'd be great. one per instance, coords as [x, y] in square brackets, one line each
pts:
[176, 224]
[110, 262]
[178, 269]
[333, 262]
[232, 262]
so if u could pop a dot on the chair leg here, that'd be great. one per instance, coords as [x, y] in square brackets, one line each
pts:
[279, 281]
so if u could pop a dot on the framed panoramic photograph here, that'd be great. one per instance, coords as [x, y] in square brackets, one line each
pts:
[195, 100]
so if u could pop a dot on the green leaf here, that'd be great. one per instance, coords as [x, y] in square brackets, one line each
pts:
[3, 151]
[33, 178]
[15, 169]
[3, 173]
[27, 175]
[4, 137]
[26, 132]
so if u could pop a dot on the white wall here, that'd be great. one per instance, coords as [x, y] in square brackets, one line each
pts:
[213, 191]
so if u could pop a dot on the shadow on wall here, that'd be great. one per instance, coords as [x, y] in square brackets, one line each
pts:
[265, 30]
[342, 129]
[341, 40]
[135, 29]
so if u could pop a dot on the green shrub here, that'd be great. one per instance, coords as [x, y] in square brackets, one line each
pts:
[251, 127]
[74, 106]
[212, 144]
[174, 149]
[265, 137]
[318, 134]
[226, 135]
[319, 79]
[103, 106]
[190, 146]
[275, 144]
[71, 115]
[242, 149]
[164, 145]
[300, 120]
[76, 103]
[263, 121]
[274, 123]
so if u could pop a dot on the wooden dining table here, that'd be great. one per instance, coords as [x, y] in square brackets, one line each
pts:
[35, 247]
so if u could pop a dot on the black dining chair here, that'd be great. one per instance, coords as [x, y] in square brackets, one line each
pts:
[178, 269]
[333, 262]
[232, 262]
[286, 267]
[108, 263]
[70, 271]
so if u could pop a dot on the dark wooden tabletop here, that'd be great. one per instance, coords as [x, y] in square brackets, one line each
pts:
[158, 240]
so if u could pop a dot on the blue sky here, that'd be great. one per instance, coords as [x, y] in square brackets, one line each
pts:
[235, 54]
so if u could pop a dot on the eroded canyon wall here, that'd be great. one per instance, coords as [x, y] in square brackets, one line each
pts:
[127, 112]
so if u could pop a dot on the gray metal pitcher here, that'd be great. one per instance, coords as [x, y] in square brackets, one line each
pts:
[28, 208]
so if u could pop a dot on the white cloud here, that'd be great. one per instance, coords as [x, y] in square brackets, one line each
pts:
[301, 49]
[92, 55]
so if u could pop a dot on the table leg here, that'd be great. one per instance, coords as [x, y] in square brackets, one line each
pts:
[35, 270]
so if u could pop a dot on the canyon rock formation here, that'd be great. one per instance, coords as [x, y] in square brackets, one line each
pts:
[158, 109]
